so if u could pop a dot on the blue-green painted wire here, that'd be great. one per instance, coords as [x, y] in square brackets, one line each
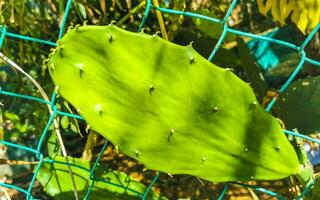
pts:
[44, 134]
[215, 50]
[86, 197]
[145, 15]
[264, 38]
[91, 175]
[69, 115]
[295, 72]
[27, 38]
[89, 190]
[145, 195]
[53, 98]
[64, 19]
[307, 189]
[2, 184]
[237, 32]
[117, 185]
[18, 146]
[271, 104]
[188, 14]
[224, 191]
[219, 43]
[23, 96]
[313, 62]
[3, 35]
[287, 83]
[88, 170]
[259, 189]
[226, 30]
[29, 195]
[226, 17]
[48, 160]
[301, 136]
[310, 36]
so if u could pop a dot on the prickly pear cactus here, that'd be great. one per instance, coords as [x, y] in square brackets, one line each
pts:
[168, 107]
[299, 105]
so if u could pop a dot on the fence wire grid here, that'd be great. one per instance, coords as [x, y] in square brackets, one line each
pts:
[226, 29]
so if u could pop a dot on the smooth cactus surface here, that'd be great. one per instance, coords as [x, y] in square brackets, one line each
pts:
[299, 105]
[168, 107]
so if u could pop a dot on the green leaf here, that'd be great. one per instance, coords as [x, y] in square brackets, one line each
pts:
[168, 107]
[316, 190]
[82, 10]
[252, 69]
[11, 116]
[305, 175]
[304, 13]
[53, 146]
[55, 178]
[64, 121]
[176, 20]
[299, 106]
[213, 30]
[74, 126]
[18, 126]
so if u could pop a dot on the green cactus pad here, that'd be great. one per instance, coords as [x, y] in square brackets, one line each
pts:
[299, 105]
[55, 178]
[168, 107]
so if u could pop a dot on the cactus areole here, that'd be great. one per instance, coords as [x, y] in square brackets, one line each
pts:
[168, 107]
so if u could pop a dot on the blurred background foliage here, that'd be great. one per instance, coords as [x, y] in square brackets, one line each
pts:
[266, 66]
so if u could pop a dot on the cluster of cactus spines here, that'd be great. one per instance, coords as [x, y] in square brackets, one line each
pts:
[298, 107]
[168, 107]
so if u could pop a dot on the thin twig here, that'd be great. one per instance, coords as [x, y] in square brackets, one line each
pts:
[1, 123]
[130, 13]
[16, 162]
[5, 189]
[53, 8]
[92, 141]
[55, 122]
[6, 193]
[160, 20]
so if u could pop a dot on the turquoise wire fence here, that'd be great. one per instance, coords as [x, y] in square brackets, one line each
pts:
[226, 29]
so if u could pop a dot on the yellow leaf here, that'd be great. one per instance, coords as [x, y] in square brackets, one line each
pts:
[304, 13]
[261, 6]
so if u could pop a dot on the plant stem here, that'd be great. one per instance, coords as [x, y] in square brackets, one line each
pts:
[16, 162]
[92, 141]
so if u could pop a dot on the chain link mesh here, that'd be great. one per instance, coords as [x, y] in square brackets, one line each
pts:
[226, 29]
